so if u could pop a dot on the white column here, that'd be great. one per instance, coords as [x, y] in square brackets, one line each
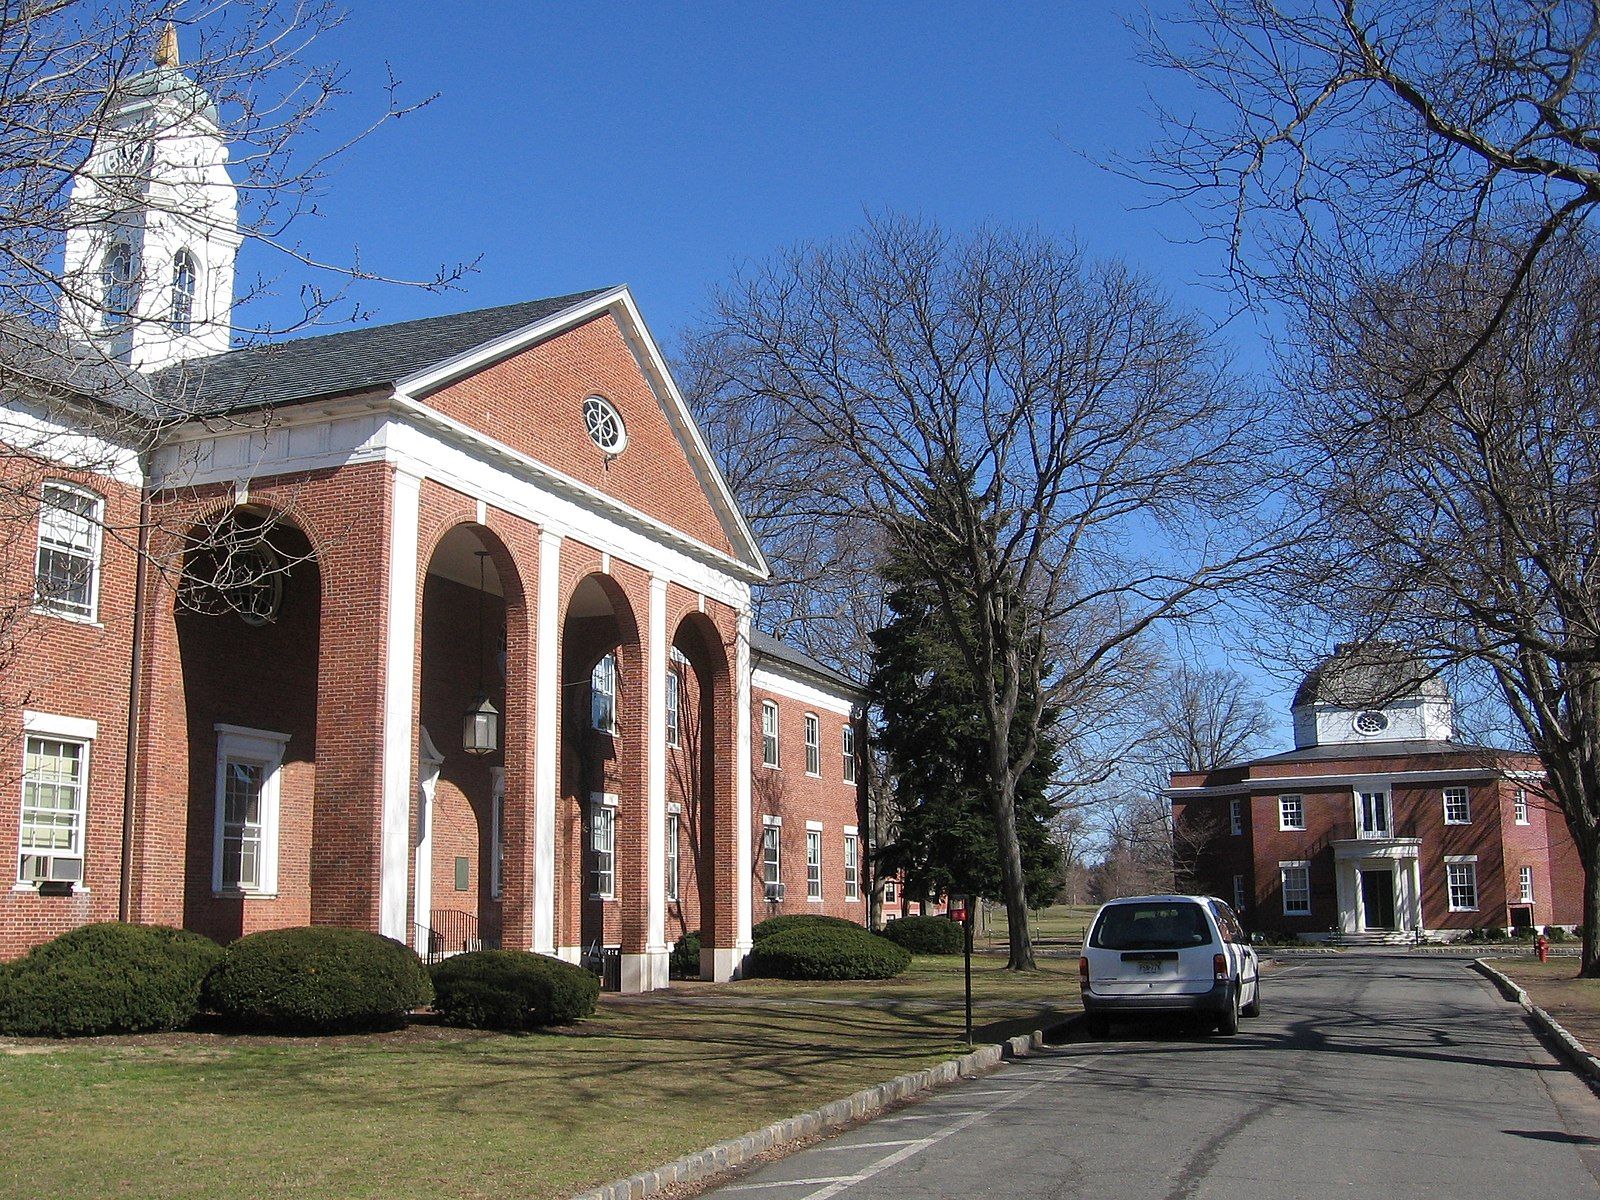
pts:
[741, 787]
[429, 761]
[656, 786]
[400, 659]
[546, 741]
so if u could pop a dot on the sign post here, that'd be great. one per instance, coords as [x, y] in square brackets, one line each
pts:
[961, 910]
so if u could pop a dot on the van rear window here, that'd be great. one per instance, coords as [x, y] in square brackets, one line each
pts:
[1151, 926]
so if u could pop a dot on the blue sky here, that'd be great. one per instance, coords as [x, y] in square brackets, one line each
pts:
[663, 144]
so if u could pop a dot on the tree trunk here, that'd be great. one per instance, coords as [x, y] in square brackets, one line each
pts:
[1589, 854]
[1018, 933]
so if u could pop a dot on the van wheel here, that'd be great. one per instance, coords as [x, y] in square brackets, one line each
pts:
[1253, 1009]
[1228, 1019]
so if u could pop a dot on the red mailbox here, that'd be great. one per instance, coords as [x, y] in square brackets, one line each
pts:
[958, 908]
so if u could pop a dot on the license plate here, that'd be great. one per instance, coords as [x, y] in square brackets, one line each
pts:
[1149, 967]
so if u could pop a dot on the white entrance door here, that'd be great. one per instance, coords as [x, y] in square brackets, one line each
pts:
[1372, 815]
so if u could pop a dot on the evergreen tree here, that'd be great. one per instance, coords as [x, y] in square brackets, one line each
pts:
[937, 747]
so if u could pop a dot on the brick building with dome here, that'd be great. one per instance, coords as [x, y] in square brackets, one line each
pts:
[1378, 825]
[440, 629]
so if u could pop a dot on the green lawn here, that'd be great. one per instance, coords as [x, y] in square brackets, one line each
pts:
[437, 1113]
[1557, 988]
[1060, 927]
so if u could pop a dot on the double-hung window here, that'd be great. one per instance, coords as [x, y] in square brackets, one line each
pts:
[1457, 808]
[813, 745]
[769, 734]
[603, 694]
[813, 862]
[1291, 812]
[603, 846]
[1461, 880]
[772, 858]
[1236, 816]
[245, 858]
[847, 743]
[674, 821]
[55, 789]
[852, 865]
[1239, 894]
[67, 575]
[1525, 885]
[1296, 877]
[1519, 807]
[184, 276]
[672, 707]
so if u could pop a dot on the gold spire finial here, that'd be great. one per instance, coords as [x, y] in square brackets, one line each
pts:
[167, 48]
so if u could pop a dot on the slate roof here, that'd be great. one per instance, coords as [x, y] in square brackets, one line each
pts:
[1410, 748]
[765, 645]
[1369, 676]
[332, 364]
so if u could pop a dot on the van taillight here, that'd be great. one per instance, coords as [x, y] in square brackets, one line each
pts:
[1083, 971]
[1219, 965]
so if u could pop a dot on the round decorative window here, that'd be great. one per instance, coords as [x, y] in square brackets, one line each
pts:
[250, 579]
[1371, 722]
[604, 424]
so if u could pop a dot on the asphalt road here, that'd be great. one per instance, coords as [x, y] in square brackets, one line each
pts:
[1365, 1076]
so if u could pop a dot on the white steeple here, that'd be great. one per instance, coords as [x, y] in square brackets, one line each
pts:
[154, 225]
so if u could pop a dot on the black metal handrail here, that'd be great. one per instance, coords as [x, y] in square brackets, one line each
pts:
[451, 931]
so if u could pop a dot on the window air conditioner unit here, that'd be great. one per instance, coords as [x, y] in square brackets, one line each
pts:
[775, 893]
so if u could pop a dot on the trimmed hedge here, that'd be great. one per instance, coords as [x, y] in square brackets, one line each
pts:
[685, 962]
[775, 925]
[828, 953]
[927, 935]
[106, 978]
[318, 979]
[512, 990]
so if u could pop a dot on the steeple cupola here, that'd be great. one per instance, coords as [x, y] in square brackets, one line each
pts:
[1371, 692]
[154, 227]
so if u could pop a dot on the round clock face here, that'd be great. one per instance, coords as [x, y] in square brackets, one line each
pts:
[1371, 722]
[604, 424]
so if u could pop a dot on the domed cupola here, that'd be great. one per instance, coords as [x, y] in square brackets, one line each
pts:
[1371, 692]
[153, 224]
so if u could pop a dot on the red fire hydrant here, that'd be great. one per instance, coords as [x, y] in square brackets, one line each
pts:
[1541, 947]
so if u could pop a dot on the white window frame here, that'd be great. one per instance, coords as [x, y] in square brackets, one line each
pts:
[89, 612]
[891, 891]
[261, 748]
[602, 821]
[770, 756]
[674, 682]
[672, 879]
[1383, 796]
[119, 293]
[814, 862]
[847, 746]
[1236, 816]
[1239, 905]
[852, 863]
[1525, 885]
[603, 694]
[1292, 802]
[813, 728]
[497, 835]
[1303, 868]
[771, 856]
[77, 731]
[1519, 807]
[1468, 864]
[1459, 799]
[181, 317]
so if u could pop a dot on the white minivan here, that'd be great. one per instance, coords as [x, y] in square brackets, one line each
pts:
[1168, 954]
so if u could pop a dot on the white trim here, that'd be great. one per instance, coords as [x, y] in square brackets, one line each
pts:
[813, 826]
[1460, 858]
[1283, 818]
[674, 809]
[78, 729]
[400, 646]
[1312, 783]
[851, 831]
[775, 763]
[811, 723]
[840, 703]
[86, 747]
[813, 839]
[43, 432]
[656, 769]
[95, 552]
[546, 746]
[262, 748]
[429, 762]
[1466, 801]
[742, 882]
[497, 833]
[771, 822]
[608, 802]
[1294, 864]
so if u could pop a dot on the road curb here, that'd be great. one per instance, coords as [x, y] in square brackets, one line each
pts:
[714, 1160]
[1571, 1049]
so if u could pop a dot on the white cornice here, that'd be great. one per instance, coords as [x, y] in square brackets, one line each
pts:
[1291, 784]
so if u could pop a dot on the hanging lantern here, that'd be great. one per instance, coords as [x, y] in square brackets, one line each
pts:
[480, 727]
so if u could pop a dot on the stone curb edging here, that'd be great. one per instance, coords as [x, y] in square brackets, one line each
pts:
[714, 1160]
[1574, 1051]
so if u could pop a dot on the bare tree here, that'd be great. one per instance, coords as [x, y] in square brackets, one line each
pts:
[1468, 527]
[1336, 135]
[1054, 420]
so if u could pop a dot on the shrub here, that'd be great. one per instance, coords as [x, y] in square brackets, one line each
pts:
[1493, 933]
[824, 952]
[927, 935]
[776, 925]
[512, 990]
[685, 962]
[318, 979]
[106, 978]
[1555, 933]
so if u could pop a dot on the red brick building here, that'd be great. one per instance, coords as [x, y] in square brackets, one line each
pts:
[1377, 824]
[255, 663]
